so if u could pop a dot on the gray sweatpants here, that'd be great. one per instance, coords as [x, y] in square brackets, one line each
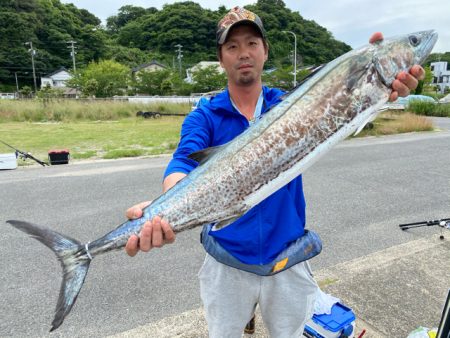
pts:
[229, 295]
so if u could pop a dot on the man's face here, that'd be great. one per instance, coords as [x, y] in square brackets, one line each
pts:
[243, 55]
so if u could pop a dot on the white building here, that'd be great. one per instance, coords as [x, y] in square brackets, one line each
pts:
[202, 65]
[441, 75]
[57, 79]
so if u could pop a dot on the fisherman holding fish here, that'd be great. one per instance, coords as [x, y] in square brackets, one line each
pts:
[238, 175]
[241, 268]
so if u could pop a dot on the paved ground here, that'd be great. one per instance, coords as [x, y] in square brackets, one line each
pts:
[392, 292]
[395, 281]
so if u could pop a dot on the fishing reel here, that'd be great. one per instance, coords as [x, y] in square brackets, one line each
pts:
[443, 223]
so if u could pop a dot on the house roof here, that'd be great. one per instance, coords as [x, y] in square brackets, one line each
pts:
[145, 65]
[62, 69]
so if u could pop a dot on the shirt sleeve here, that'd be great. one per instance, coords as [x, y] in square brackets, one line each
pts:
[195, 136]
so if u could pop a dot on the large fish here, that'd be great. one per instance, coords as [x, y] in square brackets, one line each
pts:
[339, 100]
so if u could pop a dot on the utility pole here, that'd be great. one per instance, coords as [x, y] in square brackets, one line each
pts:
[180, 55]
[33, 53]
[295, 56]
[72, 53]
[17, 83]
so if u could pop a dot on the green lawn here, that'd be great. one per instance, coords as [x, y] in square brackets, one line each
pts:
[105, 139]
[135, 136]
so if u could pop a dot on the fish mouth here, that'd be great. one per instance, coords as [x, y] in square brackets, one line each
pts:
[430, 37]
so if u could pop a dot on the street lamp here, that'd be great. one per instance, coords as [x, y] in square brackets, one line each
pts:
[295, 56]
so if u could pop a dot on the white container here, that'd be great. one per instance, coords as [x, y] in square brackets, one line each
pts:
[8, 161]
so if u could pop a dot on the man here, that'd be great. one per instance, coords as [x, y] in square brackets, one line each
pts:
[230, 295]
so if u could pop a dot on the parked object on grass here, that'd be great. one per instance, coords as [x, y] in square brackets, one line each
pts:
[58, 156]
[8, 161]
[23, 155]
[148, 114]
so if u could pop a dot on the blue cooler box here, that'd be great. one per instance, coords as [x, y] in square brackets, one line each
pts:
[339, 324]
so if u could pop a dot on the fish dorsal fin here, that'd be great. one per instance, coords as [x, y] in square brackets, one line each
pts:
[204, 155]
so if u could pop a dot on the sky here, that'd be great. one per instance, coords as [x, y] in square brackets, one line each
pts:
[350, 21]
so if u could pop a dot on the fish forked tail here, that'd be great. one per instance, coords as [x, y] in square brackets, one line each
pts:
[74, 259]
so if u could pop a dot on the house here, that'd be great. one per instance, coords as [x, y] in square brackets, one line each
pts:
[151, 66]
[441, 75]
[57, 79]
[199, 66]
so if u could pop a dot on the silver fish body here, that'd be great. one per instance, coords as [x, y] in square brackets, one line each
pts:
[339, 100]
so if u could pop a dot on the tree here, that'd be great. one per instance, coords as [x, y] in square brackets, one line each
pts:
[126, 14]
[136, 34]
[425, 84]
[103, 79]
[26, 91]
[150, 83]
[208, 79]
[49, 25]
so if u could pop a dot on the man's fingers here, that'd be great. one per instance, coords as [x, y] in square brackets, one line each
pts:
[393, 96]
[157, 235]
[376, 37]
[418, 72]
[132, 246]
[400, 88]
[145, 240]
[136, 210]
[408, 80]
[169, 235]
[153, 234]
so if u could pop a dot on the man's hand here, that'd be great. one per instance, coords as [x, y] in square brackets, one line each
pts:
[404, 82]
[154, 233]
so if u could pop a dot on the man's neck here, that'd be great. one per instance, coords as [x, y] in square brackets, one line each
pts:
[245, 98]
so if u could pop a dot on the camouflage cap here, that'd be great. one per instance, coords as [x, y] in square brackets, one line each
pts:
[237, 15]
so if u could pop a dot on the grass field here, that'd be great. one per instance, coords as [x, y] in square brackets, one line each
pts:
[79, 110]
[107, 139]
[394, 122]
[111, 130]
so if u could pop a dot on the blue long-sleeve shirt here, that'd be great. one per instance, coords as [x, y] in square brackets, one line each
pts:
[265, 230]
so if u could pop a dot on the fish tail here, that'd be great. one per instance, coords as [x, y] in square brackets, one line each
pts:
[74, 259]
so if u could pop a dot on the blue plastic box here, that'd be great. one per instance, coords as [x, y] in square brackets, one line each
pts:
[339, 324]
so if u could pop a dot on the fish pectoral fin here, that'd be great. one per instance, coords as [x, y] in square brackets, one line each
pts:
[224, 223]
[204, 155]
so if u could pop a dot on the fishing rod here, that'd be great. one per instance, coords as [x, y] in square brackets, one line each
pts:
[443, 223]
[23, 155]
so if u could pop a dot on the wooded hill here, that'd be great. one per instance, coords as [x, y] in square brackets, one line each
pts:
[137, 35]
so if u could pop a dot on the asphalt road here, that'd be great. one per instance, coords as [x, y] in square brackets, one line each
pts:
[356, 197]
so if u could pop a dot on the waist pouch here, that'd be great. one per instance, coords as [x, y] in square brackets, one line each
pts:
[304, 248]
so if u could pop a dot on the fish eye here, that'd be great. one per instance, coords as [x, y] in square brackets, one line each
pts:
[414, 40]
